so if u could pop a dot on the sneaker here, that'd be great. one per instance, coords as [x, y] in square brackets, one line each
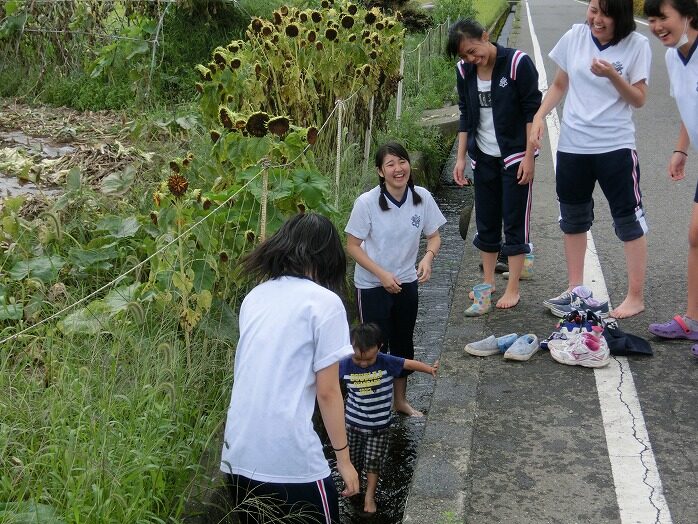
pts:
[582, 303]
[588, 350]
[523, 349]
[491, 345]
[571, 324]
[566, 297]
[502, 265]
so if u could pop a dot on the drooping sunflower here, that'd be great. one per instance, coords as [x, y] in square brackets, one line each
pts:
[312, 36]
[352, 9]
[279, 125]
[370, 17]
[225, 116]
[177, 184]
[199, 87]
[174, 166]
[312, 135]
[347, 21]
[257, 124]
[277, 18]
[352, 38]
[215, 135]
[319, 46]
[250, 236]
[316, 17]
[331, 34]
[235, 63]
[283, 10]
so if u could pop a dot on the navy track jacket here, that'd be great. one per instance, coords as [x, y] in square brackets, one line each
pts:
[515, 100]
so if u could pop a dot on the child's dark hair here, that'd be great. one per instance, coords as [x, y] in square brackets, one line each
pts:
[459, 30]
[393, 148]
[623, 17]
[687, 8]
[305, 245]
[366, 336]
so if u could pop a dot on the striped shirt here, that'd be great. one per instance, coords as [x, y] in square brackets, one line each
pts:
[370, 391]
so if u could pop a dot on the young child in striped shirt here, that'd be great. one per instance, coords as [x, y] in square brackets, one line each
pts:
[368, 375]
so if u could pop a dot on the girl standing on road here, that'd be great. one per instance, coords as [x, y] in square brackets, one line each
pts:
[293, 333]
[383, 236]
[603, 67]
[675, 23]
[498, 96]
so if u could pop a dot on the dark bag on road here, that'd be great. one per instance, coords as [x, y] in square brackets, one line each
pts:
[621, 343]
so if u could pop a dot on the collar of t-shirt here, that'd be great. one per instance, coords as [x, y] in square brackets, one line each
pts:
[397, 203]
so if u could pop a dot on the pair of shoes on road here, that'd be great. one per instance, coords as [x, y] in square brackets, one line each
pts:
[513, 346]
[587, 349]
[579, 299]
[572, 323]
[679, 327]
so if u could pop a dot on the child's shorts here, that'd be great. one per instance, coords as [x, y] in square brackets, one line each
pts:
[368, 448]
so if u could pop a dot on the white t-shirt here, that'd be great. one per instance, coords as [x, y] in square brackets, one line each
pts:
[391, 238]
[486, 138]
[683, 77]
[596, 119]
[290, 328]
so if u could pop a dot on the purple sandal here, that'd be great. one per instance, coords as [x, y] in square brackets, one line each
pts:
[675, 328]
[694, 350]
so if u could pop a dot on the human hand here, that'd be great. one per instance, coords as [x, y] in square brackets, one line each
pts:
[434, 368]
[390, 282]
[459, 173]
[349, 476]
[526, 170]
[424, 269]
[602, 68]
[677, 166]
[537, 132]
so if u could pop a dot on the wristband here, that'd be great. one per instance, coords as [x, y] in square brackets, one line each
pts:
[340, 449]
[682, 152]
[430, 251]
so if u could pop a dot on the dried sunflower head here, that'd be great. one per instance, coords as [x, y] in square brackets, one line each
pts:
[312, 135]
[316, 17]
[352, 38]
[199, 87]
[177, 185]
[347, 22]
[319, 46]
[215, 135]
[257, 70]
[283, 10]
[312, 36]
[331, 34]
[292, 30]
[373, 55]
[325, 4]
[204, 71]
[301, 208]
[366, 69]
[277, 18]
[226, 117]
[154, 217]
[250, 236]
[219, 55]
[352, 9]
[380, 26]
[303, 17]
[174, 166]
[256, 25]
[234, 46]
[235, 63]
[371, 16]
[267, 30]
[279, 125]
[206, 203]
[223, 257]
[257, 124]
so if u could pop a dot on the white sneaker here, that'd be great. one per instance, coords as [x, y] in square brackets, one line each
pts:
[589, 350]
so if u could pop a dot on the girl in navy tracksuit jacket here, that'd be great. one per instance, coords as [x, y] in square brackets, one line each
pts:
[498, 97]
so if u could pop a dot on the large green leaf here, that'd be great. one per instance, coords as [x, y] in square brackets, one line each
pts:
[89, 320]
[311, 186]
[11, 311]
[118, 299]
[119, 183]
[119, 227]
[220, 323]
[44, 268]
[204, 275]
[85, 258]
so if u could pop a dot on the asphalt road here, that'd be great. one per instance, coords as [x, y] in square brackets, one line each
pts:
[540, 442]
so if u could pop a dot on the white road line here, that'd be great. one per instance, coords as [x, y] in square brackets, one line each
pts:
[637, 483]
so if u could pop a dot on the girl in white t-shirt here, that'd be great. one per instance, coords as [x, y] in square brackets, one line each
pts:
[603, 68]
[675, 23]
[293, 333]
[383, 236]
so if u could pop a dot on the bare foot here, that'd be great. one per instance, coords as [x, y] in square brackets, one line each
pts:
[370, 505]
[628, 308]
[508, 300]
[408, 410]
[471, 295]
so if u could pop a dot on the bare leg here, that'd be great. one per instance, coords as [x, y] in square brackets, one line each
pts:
[511, 295]
[400, 398]
[489, 260]
[575, 249]
[370, 500]
[692, 309]
[636, 262]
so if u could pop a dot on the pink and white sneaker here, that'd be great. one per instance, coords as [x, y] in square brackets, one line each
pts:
[587, 349]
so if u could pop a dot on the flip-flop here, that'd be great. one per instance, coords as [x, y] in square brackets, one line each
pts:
[675, 328]
[694, 350]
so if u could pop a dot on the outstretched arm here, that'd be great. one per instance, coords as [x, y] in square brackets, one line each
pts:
[416, 365]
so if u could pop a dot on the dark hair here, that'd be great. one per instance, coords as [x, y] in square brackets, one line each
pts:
[687, 8]
[366, 336]
[463, 28]
[623, 17]
[393, 148]
[307, 244]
